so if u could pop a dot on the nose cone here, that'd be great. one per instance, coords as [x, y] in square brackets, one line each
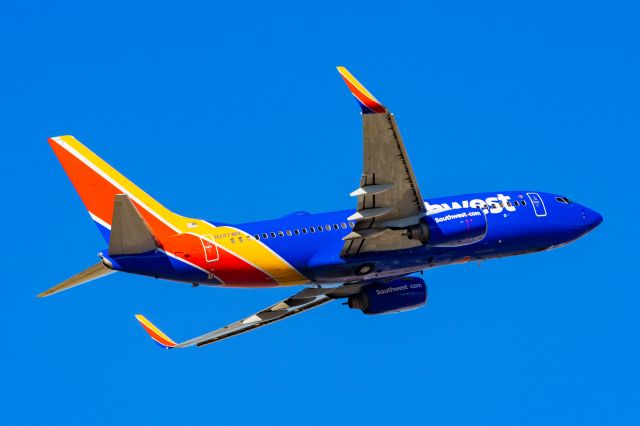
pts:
[590, 218]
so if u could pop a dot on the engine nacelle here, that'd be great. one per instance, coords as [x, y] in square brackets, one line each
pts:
[399, 295]
[450, 228]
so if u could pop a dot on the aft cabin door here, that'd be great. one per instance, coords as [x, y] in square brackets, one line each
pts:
[537, 203]
[210, 250]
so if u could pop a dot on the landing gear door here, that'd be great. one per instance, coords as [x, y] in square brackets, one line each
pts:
[210, 250]
[537, 203]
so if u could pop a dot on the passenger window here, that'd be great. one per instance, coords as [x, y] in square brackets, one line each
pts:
[312, 229]
[240, 239]
[523, 202]
[352, 224]
[289, 233]
[233, 241]
[343, 225]
[280, 234]
[320, 229]
[273, 235]
[335, 226]
[295, 231]
[265, 236]
[327, 227]
[516, 203]
[304, 230]
[257, 237]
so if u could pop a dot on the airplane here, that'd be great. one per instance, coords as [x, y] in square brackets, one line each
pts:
[365, 255]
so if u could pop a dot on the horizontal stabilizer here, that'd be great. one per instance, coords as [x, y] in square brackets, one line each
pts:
[130, 234]
[98, 270]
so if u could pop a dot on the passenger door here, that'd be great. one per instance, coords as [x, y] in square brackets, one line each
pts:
[538, 205]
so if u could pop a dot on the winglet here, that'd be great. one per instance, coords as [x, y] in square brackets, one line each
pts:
[368, 103]
[158, 336]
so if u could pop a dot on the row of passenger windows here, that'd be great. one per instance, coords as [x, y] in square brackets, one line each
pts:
[335, 226]
[508, 203]
[301, 231]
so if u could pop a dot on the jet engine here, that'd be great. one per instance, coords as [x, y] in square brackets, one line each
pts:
[450, 228]
[398, 295]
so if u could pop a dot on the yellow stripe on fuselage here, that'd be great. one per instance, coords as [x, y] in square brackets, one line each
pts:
[258, 254]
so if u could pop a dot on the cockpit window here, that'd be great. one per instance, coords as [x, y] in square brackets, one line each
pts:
[563, 200]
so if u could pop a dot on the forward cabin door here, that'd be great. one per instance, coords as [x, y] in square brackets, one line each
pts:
[538, 205]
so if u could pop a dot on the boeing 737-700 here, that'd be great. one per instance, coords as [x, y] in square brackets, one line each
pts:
[365, 255]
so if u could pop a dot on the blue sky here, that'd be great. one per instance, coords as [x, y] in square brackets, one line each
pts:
[234, 112]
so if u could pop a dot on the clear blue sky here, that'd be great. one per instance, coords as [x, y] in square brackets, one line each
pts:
[235, 112]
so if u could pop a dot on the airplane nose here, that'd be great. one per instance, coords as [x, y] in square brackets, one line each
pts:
[590, 218]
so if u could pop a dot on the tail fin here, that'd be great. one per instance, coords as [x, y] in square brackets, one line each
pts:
[94, 272]
[98, 183]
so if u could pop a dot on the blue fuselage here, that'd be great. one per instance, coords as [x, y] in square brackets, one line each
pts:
[530, 222]
[518, 222]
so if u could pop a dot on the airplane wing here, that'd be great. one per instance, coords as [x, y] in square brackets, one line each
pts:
[306, 299]
[389, 196]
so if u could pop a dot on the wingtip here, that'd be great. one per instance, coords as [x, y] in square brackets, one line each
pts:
[368, 103]
[155, 333]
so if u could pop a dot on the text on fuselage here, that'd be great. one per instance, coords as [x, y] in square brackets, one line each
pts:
[489, 205]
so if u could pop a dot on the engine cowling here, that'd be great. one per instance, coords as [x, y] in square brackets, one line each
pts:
[450, 228]
[399, 295]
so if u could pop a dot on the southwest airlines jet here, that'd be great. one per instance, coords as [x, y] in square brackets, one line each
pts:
[365, 256]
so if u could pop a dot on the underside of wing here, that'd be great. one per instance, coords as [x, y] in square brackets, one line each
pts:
[305, 300]
[389, 199]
